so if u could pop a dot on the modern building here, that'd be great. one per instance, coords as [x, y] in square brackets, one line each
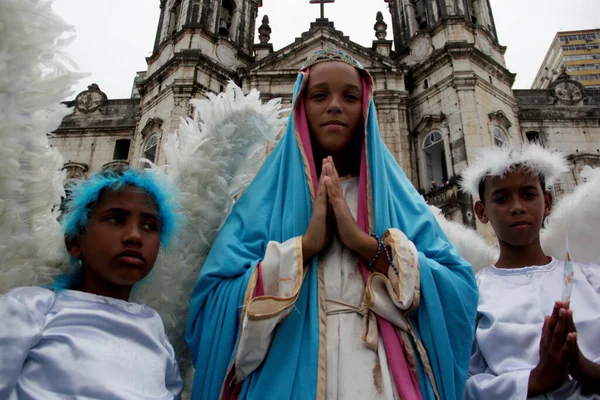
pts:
[578, 53]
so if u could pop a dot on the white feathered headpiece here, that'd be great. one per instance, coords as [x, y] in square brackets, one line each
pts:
[497, 161]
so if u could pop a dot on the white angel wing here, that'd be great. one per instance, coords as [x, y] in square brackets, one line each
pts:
[34, 80]
[578, 214]
[212, 158]
[469, 244]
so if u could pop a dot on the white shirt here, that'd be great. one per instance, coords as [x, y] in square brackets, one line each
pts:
[75, 345]
[511, 311]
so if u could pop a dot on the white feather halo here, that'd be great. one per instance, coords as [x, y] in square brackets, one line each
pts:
[211, 159]
[497, 161]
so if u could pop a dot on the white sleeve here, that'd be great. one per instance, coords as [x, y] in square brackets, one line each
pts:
[173, 380]
[397, 293]
[484, 384]
[592, 274]
[282, 274]
[22, 315]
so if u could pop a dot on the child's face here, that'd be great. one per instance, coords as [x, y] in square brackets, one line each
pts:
[122, 239]
[333, 105]
[515, 206]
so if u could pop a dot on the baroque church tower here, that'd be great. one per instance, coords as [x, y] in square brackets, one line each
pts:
[460, 91]
[199, 47]
[441, 89]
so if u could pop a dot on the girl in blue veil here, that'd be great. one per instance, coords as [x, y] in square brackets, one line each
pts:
[331, 277]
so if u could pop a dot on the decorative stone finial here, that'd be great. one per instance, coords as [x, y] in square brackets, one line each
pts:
[380, 27]
[264, 31]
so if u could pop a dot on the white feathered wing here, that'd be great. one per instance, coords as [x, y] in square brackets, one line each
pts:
[578, 214]
[34, 79]
[211, 158]
[471, 246]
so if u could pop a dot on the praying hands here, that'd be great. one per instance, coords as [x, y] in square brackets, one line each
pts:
[332, 214]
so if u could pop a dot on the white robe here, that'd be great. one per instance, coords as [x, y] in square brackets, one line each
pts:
[353, 370]
[75, 345]
[512, 306]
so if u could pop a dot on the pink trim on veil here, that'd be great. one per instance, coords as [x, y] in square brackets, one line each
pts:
[406, 383]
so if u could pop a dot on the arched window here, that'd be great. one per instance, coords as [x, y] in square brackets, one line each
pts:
[150, 147]
[500, 138]
[174, 14]
[421, 14]
[225, 16]
[435, 160]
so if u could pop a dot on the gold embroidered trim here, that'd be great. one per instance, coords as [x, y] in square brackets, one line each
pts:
[424, 358]
[321, 373]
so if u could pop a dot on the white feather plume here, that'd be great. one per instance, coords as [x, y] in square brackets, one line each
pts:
[578, 214]
[211, 158]
[497, 161]
[471, 246]
[35, 78]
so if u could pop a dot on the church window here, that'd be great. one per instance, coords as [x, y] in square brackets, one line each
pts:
[421, 14]
[150, 149]
[174, 17]
[435, 160]
[426, 84]
[472, 4]
[533, 137]
[225, 16]
[121, 149]
[195, 12]
[500, 138]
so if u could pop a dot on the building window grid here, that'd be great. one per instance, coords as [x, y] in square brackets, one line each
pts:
[576, 47]
[583, 67]
[590, 77]
[587, 36]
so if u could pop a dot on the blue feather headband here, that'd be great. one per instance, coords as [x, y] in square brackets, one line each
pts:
[85, 195]
[161, 191]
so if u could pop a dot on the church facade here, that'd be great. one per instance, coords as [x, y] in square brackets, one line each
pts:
[442, 91]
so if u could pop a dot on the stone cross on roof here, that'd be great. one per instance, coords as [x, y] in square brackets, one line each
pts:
[322, 3]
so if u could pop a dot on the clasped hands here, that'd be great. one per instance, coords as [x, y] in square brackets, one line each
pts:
[560, 355]
[331, 215]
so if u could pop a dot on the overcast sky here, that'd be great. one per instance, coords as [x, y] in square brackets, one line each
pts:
[115, 36]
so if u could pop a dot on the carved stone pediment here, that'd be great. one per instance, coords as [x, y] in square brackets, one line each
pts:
[90, 100]
[566, 90]
[152, 125]
[499, 118]
[75, 170]
[429, 122]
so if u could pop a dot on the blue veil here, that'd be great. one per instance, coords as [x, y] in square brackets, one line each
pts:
[277, 207]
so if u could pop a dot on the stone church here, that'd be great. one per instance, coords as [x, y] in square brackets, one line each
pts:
[442, 90]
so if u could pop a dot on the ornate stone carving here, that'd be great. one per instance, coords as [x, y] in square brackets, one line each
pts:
[420, 47]
[226, 55]
[75, 170]
[152, 125]
[89, 100]
[380, 27]
[566, 90]
[264, 30]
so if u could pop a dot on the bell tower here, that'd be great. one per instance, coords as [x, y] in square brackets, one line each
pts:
[199, 46]
[460, 92]
[413, 16]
